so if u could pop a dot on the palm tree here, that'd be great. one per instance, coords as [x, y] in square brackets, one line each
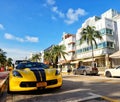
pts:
[36, 58]
[52, 55]
[2, 57]
[58, 51]
[89, 35]
[48, 57]
[9, 61]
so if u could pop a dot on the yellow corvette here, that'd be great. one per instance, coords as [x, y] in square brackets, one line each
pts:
[32, 76]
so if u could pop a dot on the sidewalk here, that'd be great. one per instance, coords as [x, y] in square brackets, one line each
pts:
[3, 78]
[101, 73]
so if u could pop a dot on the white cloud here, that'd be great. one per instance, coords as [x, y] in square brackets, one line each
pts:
[73, 15]
[70, 17]
[17, 53]
[9, 36]
[55, 9]
[31, 39]
[19, 39]
[1, 26]
[26, 39]
[50, 2]
[54, 18]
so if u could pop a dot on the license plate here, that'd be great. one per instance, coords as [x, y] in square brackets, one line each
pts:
[41, 84]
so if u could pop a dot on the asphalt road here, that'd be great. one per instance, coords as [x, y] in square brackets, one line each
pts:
[75, 88]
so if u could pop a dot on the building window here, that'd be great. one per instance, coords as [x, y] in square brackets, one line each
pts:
[77, 42]
[110, 45]
[106, 44]
[106, 31]
[102, 31]
[100, 45]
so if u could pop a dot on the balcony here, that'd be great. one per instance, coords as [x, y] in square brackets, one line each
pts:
[71, 40]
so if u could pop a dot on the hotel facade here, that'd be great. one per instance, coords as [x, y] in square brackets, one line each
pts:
[108, 24]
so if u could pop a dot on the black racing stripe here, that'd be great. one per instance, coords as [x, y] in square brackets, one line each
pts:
[42, 71]
[37, 75]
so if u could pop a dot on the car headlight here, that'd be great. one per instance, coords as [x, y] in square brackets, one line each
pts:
[57, 72]
[16, 74]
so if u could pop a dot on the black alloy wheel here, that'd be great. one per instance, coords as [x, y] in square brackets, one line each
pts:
[108, 74]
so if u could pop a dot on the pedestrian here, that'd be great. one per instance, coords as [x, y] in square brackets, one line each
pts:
[6, 68]
[69, 69]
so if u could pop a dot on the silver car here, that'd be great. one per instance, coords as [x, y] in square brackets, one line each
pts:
[85, 70]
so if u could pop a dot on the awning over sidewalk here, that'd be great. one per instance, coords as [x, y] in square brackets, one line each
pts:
[73, 62]
[88, 60]
[115, 55]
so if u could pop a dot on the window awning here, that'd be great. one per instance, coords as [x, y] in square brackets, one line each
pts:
[115, 55]
[73, 62]
[88, 60]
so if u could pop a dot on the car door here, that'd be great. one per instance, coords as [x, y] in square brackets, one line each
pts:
[116, 71]
[79, 70]
[82, 68]
[87, 69]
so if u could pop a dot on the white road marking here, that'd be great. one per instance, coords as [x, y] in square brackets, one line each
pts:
[92, 96]
[65, 92]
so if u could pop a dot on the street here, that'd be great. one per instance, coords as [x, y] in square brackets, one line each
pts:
[75, 88]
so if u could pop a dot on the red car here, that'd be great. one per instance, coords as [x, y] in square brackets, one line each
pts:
[2, 69]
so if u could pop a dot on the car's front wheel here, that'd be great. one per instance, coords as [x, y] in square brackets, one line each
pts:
[74, 72]
[85, 73]
[108, 74]
[8, 88]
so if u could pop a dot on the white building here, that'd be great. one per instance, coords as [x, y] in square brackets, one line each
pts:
[109, 26]
[69, 41]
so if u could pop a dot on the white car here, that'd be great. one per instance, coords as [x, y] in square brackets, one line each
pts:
[113, 72]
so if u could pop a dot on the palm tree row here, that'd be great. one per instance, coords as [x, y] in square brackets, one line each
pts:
[89, 35]
[36, 57]
[54, 53]
[4, 61]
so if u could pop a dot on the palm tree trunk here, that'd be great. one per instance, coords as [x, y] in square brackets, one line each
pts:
[92, 55]
[93, 63]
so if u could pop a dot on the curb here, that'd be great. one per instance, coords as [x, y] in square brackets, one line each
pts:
[3, 85]
[110, 99]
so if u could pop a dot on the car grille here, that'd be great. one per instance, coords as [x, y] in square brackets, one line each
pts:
[33, 84]
[52, 82]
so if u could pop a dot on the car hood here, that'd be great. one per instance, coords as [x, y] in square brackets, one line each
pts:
[109, 69]
[31, 72]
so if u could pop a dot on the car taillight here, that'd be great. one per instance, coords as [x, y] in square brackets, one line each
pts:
[94, 69]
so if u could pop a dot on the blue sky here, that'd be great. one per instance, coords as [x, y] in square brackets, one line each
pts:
[29, 26]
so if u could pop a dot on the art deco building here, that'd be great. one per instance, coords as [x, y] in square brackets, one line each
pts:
[109, 26]
[69, 41]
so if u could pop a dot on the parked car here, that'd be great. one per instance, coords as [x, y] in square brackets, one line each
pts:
[20, 61]
[113, 72]
[85, 70]
[32, 76]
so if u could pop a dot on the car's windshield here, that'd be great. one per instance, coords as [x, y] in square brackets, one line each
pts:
[31, 65]
[118, 67]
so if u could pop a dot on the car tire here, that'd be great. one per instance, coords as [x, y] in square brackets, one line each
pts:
[108, 74]
[85, 73]
[74, 72]
[8, 88]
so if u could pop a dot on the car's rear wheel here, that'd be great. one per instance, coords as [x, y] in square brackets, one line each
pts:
[108, 74]
[84, 73]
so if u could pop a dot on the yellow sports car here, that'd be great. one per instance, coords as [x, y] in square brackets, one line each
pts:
[32, 76]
